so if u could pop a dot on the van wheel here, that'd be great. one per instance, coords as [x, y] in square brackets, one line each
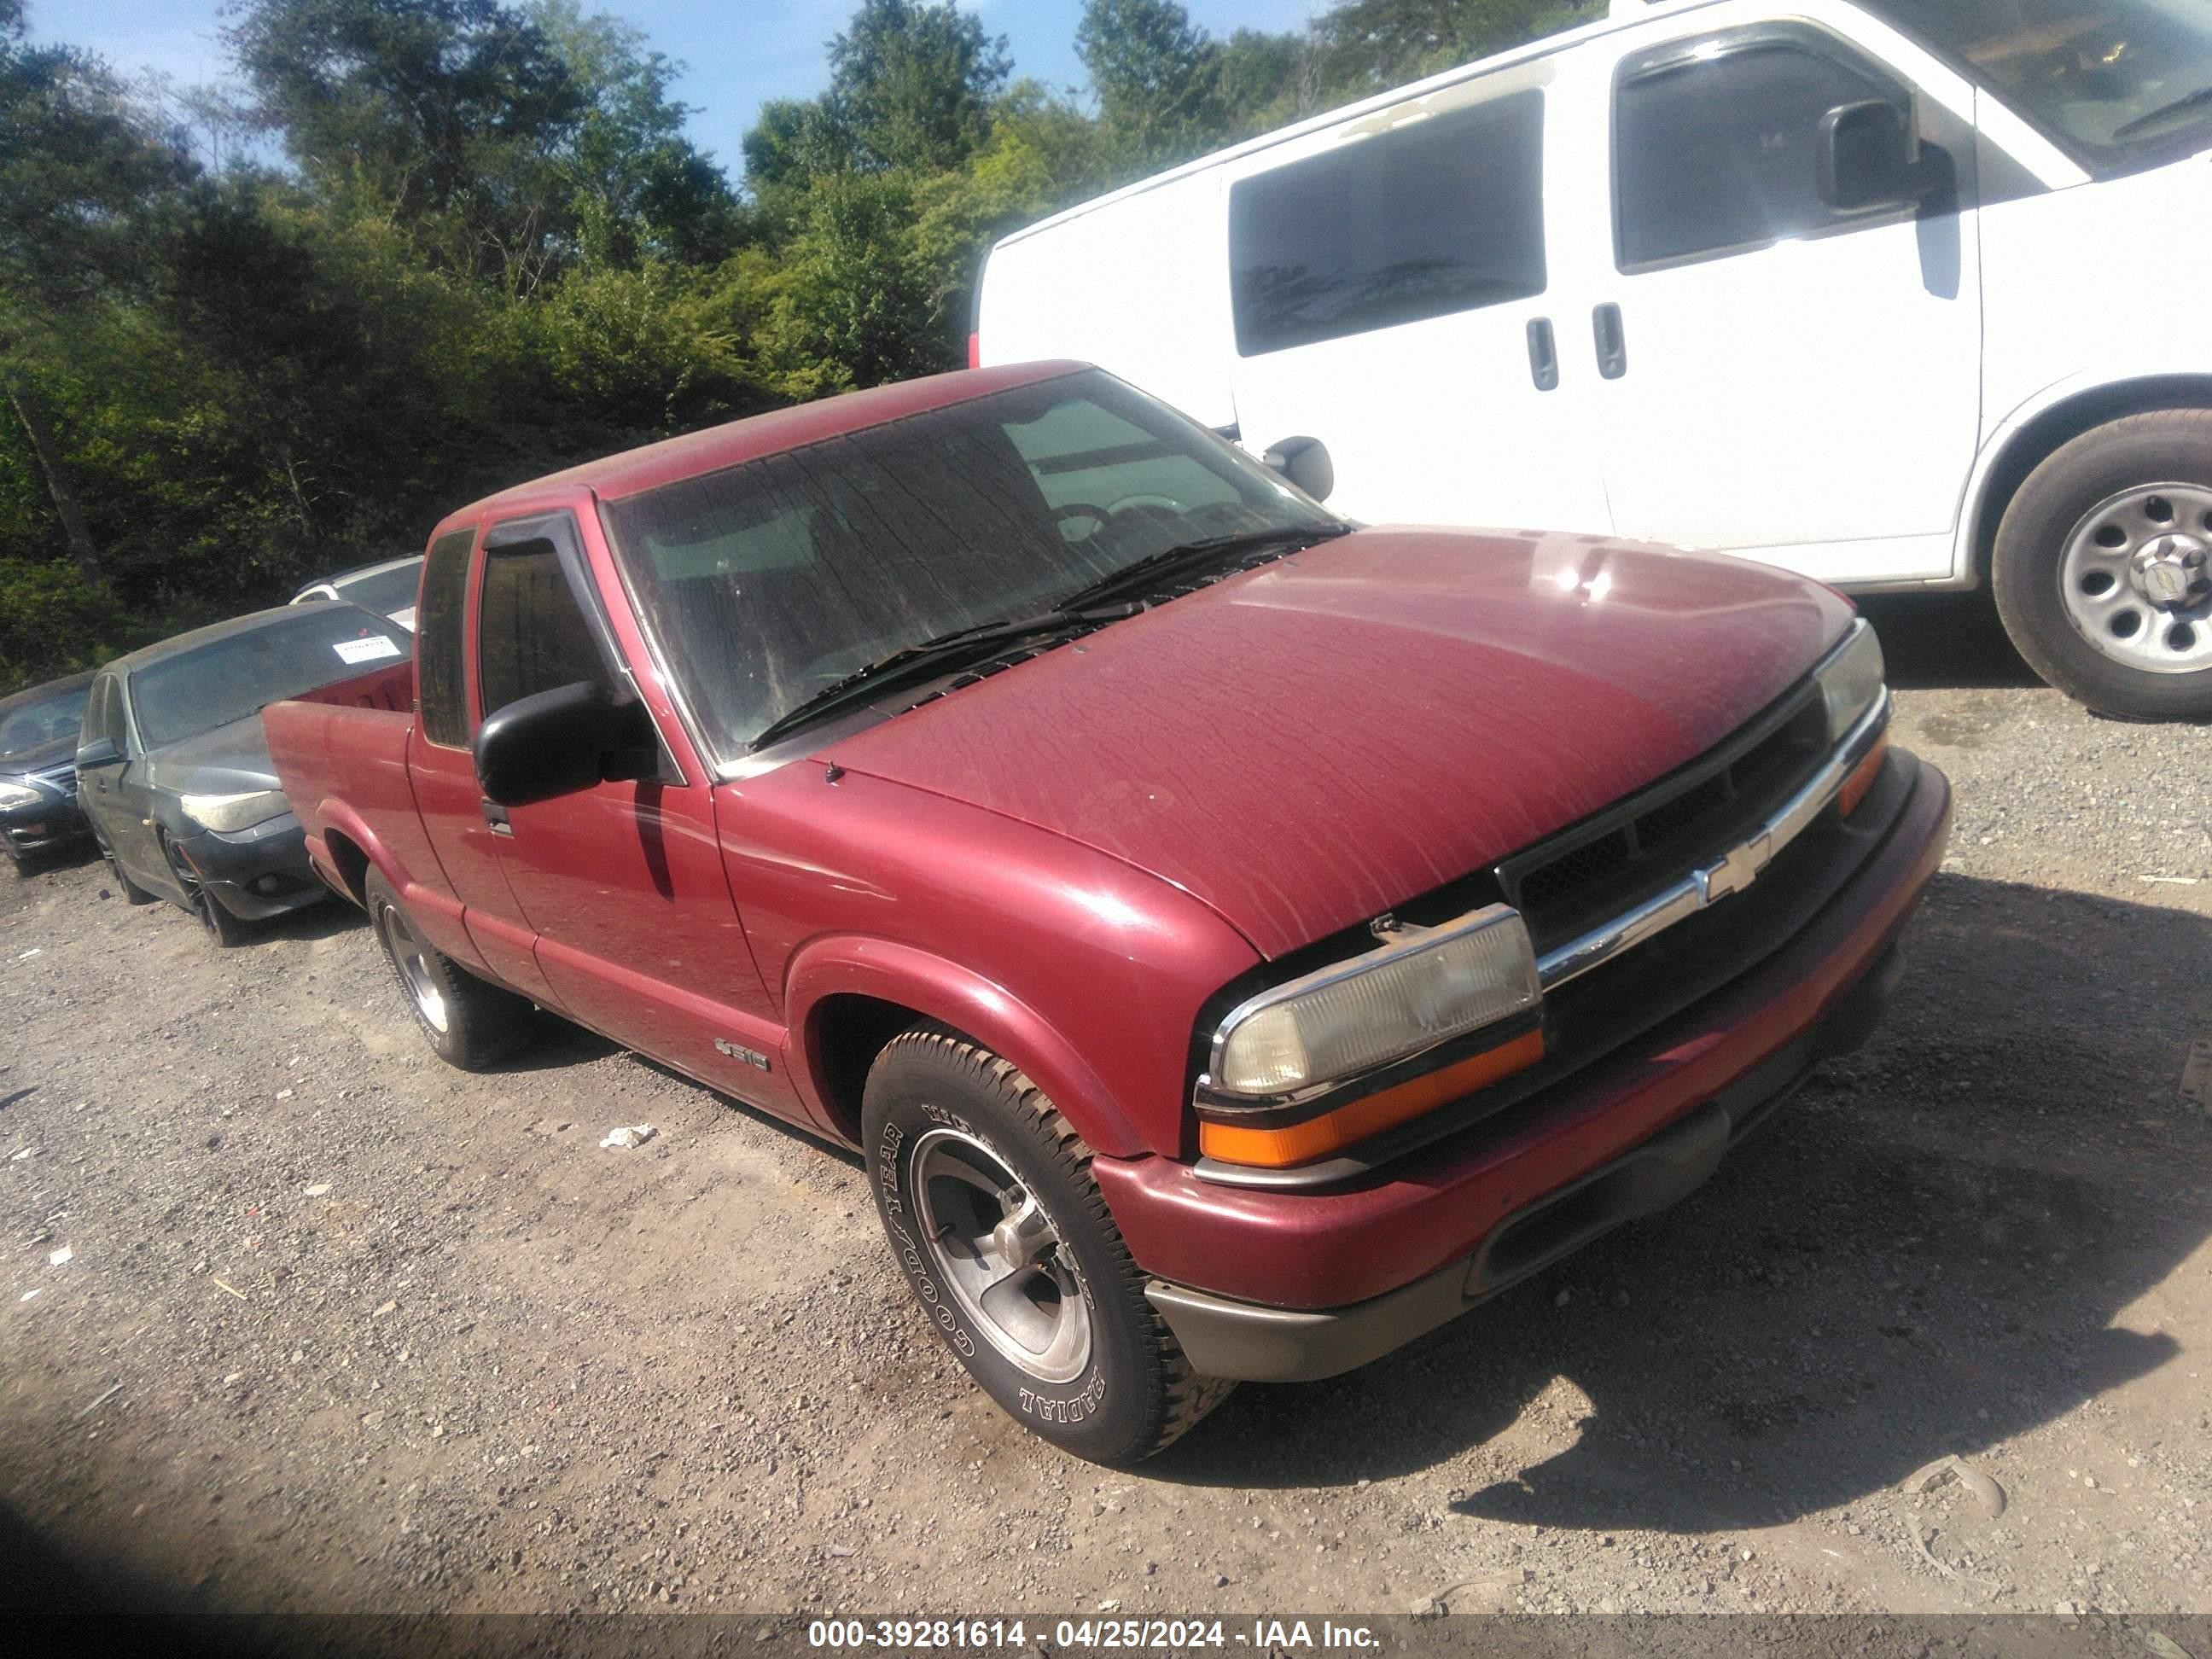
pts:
[985, 1192]
[469, 1022]
[2103, 567]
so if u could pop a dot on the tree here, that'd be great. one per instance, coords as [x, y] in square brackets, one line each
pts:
[78, 167]
[912, 82]
[1371, 45]
[1157, 76]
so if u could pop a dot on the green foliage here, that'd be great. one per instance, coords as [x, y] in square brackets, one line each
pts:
[492, 252]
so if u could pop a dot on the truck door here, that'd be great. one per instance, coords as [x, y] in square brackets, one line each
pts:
[1393, 293]
[479, 922]
[1783, 376]
[622, 883]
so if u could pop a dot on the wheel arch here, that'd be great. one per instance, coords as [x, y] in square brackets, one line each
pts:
[845, 999]
[2032, 434]
[351, 850]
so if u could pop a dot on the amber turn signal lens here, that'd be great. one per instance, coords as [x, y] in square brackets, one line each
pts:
[1318, 1137]
[1862, 776]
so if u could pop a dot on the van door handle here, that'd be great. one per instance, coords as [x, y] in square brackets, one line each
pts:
[1611, 341]
[1543, 354]
[495, 816]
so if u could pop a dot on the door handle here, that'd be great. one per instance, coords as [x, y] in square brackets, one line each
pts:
[1543, 354]
[495, 816]
[1611, 341]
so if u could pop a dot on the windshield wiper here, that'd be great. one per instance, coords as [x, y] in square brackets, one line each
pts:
[930, 657]
[2196, 100]
[1171, 561]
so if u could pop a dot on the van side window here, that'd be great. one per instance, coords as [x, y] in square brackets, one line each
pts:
[1440, 215]
[1713, 146]
[439, 690]
[531, 632]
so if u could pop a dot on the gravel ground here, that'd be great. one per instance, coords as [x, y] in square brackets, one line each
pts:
[342, 1329]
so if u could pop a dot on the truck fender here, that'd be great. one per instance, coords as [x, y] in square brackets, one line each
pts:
[937, 989]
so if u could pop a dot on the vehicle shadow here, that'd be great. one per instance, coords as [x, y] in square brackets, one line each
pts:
[1925, 1255]
[1939, 641]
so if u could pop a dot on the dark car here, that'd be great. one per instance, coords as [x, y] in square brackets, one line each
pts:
[38, 767]
[175, 773]
[386, 587]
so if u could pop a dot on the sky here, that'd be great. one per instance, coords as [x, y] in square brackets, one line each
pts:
[739, 52]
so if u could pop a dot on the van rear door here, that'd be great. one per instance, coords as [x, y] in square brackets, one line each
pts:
[1391, 280]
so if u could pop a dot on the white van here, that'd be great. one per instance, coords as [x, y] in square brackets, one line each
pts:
[1901, 294]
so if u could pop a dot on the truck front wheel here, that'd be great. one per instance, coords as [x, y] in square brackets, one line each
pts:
[469, 1023]
[986, 1194]
[2103, 567]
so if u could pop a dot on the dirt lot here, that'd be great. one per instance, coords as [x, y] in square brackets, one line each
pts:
[344, 1329]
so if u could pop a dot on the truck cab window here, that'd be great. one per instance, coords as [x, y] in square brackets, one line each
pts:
[1713, 148]
[440, 689]
[531, 633]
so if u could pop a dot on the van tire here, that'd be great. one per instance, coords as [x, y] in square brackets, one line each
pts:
[469, 1023]
[2113, 475]
[1127, 1391]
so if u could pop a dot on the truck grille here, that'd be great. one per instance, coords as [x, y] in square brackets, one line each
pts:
[1610, 863]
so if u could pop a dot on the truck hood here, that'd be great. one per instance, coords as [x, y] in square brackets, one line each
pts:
[230, 760]
[1307, 745]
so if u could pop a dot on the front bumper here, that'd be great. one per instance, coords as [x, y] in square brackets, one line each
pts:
[1287, 1285]
[256, 872]
[52, 823]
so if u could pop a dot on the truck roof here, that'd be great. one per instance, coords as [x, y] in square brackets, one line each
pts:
[735, 442]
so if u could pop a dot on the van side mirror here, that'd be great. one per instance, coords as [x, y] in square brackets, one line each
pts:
[1866, 156]
[100, 751]
[559, 742]
[1305, 463]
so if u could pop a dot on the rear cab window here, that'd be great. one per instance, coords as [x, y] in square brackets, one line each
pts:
[1439, 214]
[440, 691]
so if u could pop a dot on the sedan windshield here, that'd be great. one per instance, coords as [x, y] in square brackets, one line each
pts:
[769, 582]
[36, 722]
[226, 679]
[2121, 82]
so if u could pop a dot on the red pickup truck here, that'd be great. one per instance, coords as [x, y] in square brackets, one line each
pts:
[1237, 941]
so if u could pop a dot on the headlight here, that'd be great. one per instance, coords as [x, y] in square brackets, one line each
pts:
[13, 795]
[233, 811]
[1423, 988]
[1851, 679]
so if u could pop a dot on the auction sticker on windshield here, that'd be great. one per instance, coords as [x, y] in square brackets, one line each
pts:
[369, 650]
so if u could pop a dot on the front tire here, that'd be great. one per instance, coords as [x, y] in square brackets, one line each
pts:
[2103, 567]
[469, 1022]
[985, 1194]
[214, 918]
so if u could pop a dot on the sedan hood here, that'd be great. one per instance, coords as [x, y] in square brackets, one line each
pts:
[231, 760]
[43, 758]
[1308, 744]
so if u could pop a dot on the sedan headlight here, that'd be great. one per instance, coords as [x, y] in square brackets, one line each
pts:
[1423, 988]
[1852, 680]
[233, 811]
[13, 795]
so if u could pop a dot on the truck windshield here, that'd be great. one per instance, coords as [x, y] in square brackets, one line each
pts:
[768, 583]
[2121, 82]
[35, 722]
[226, 679]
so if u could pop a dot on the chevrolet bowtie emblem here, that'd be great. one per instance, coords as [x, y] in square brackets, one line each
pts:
[1736, 870]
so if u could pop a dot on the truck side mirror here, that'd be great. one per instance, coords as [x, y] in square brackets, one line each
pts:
[558, 742]
[1305, 463]
[100, 751]
[1866, 156]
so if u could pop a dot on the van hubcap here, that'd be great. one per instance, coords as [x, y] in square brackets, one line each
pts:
[2136, 577]
[999, 1252]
